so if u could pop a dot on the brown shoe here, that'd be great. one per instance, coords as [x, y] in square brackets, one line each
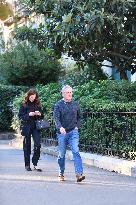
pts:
[61, 178]
[80, 177]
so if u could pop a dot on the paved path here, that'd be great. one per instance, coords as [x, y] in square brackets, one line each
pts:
[18, 187]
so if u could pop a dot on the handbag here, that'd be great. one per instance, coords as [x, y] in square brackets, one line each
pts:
[42, 124]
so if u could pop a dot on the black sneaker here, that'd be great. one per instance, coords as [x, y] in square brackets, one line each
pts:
[27, 168]
[37, 169]
[80, 177]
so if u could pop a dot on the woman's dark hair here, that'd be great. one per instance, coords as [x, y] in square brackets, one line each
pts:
[28, 94]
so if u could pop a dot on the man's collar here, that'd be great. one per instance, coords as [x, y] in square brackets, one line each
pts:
[66, 101]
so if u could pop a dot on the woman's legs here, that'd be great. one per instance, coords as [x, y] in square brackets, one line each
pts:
[37, 146]
[27, 150]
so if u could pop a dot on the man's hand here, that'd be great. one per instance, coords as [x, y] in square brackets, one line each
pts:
[62, 131]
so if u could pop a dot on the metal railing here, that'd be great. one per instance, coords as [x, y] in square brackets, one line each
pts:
[109, 133]
[49, 137]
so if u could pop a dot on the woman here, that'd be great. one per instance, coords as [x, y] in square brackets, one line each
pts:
[29, 112]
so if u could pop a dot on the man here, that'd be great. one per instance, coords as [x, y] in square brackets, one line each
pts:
[67, 120]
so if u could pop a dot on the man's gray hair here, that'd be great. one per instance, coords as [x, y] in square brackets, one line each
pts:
[65, 88]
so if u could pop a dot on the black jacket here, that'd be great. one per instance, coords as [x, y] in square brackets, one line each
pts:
[28, 122]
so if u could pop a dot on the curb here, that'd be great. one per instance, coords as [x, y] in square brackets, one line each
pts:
[7, 136]
[17, 142]
[108, 163]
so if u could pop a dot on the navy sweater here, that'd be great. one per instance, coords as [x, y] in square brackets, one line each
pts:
[67, 115]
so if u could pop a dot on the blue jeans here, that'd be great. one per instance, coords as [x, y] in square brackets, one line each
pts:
[72, 139]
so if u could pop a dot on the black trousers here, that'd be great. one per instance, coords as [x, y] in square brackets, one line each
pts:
[27, 147]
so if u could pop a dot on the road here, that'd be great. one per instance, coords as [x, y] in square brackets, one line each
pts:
[18, 187]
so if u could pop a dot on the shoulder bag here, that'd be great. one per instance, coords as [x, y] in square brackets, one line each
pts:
[42, 124]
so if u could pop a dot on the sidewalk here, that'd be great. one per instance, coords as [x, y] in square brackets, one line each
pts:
[17, 186]
[108, 163]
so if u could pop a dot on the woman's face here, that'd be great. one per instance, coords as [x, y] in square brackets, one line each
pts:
[32, 98]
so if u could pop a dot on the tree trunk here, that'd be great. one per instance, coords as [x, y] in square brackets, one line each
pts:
[123, 75]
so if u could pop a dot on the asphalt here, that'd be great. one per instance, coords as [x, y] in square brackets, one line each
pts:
[112, 164]
[18, 187]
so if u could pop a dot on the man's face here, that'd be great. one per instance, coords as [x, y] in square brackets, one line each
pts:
[67, 94]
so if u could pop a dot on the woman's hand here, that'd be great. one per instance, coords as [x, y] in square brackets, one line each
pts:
[31, 113]
[37, 113]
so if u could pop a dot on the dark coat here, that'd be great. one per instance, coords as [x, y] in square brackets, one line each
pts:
[28, 122]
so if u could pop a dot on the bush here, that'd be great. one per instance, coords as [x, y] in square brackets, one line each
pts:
[7, 96]
[27, 65]
[106, 95]
[89, 73]
[93, 96]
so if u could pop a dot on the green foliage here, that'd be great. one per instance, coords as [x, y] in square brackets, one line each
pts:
[91, 30]
[7, 95]
[27, 65]
[107, 95]
[49, 95]
[34, 36]
[93, 96]
[90, 72]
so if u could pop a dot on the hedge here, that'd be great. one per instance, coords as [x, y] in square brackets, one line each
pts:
[8, 93]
